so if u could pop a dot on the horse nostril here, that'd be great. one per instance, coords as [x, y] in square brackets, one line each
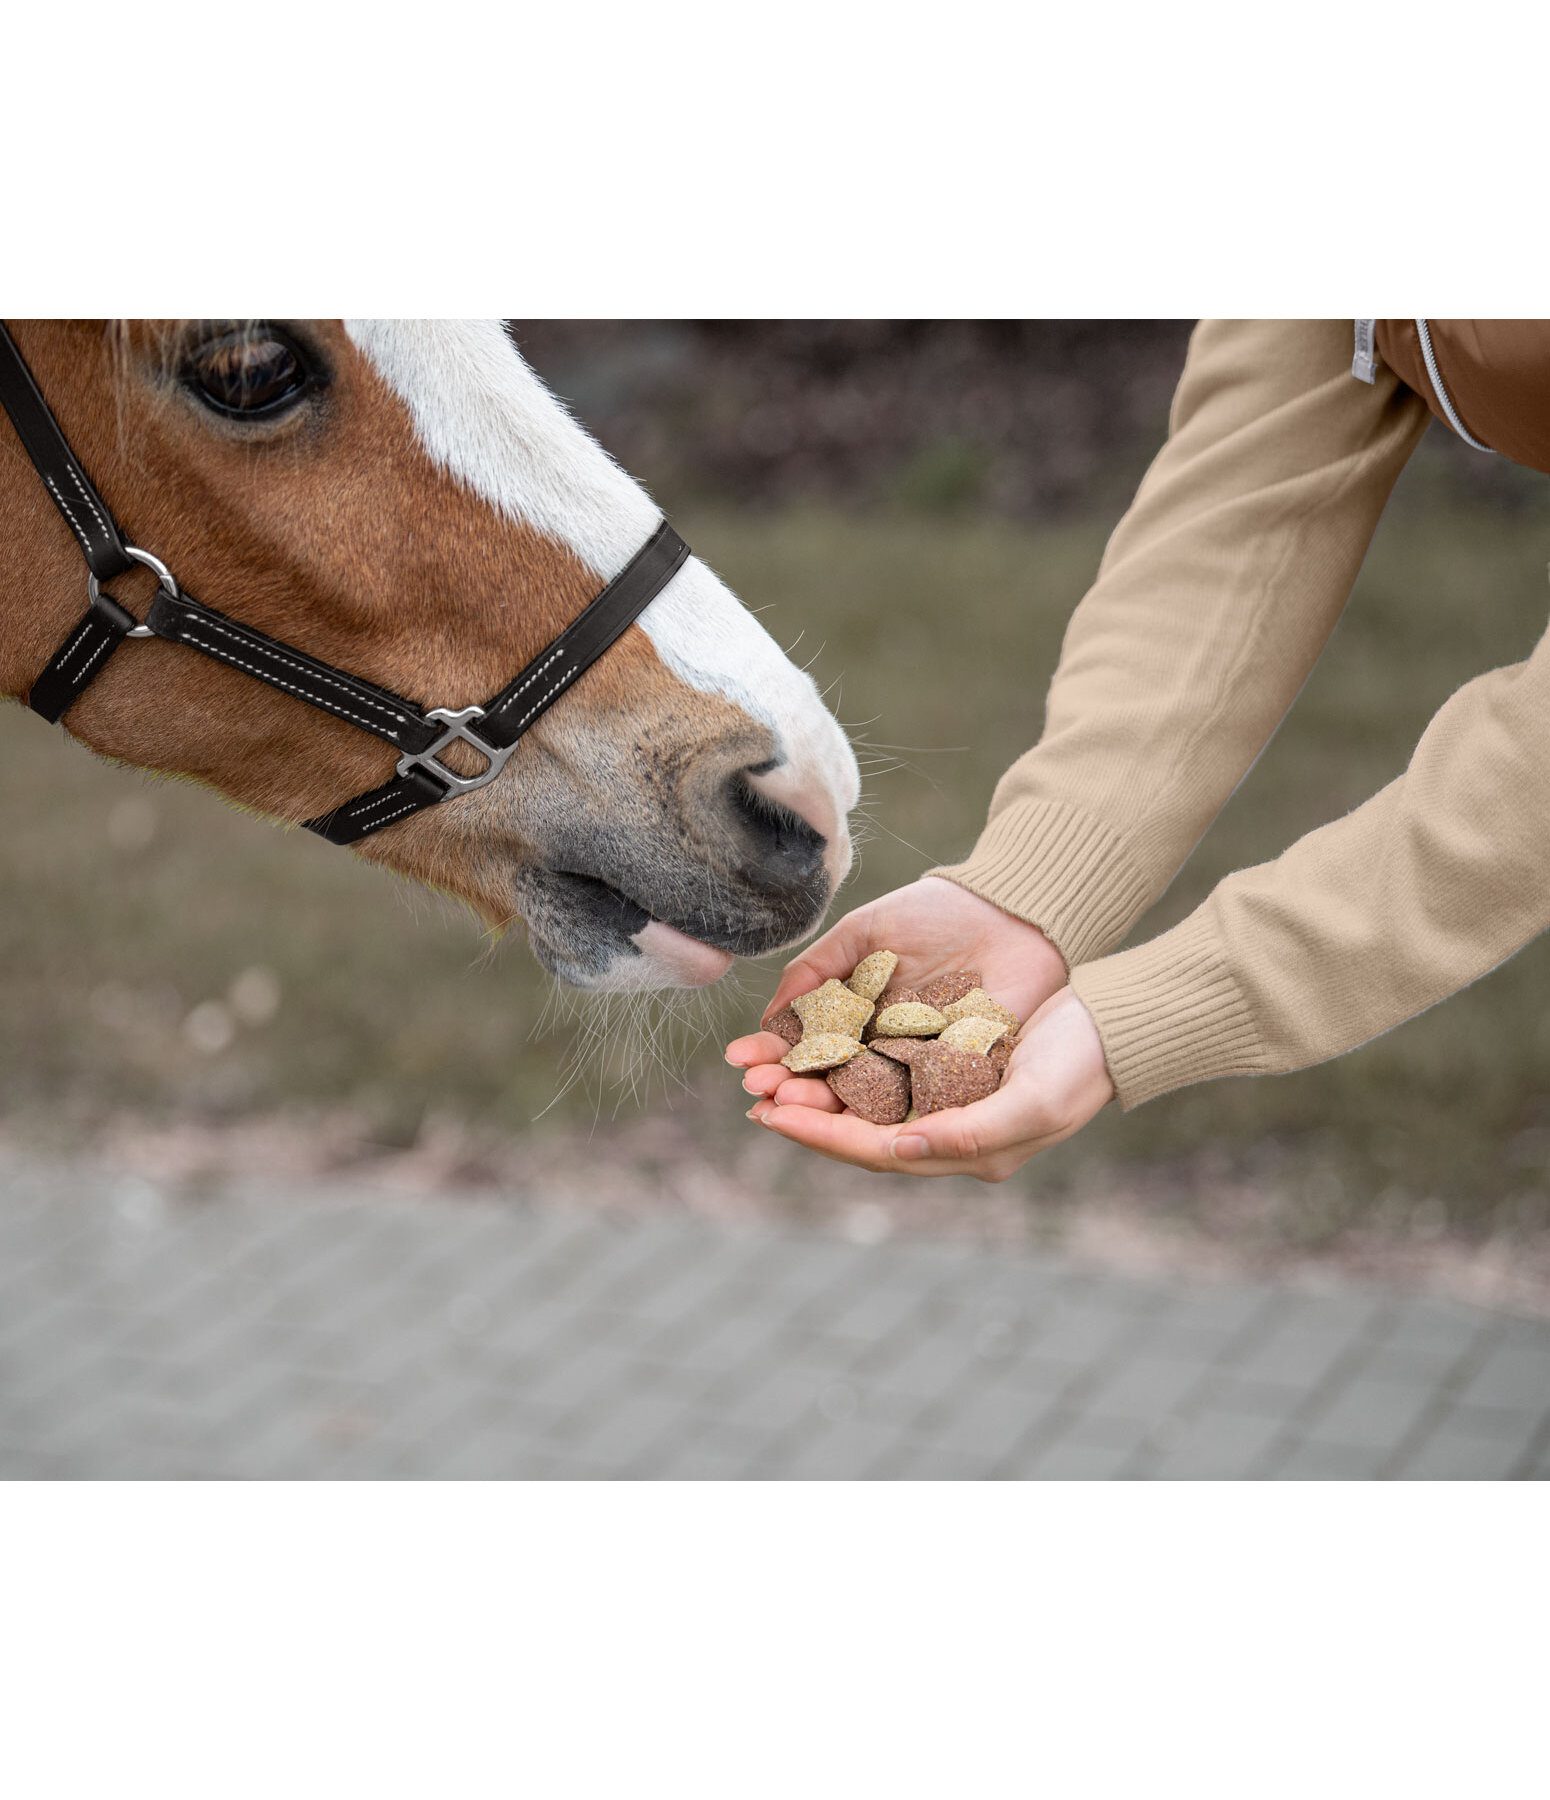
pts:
[784, 848]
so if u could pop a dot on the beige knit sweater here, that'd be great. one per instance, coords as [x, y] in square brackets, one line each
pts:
[1213, 600]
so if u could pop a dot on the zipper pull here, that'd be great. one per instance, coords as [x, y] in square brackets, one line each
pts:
[1364, 364]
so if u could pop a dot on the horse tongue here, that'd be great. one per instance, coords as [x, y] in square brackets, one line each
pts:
[685, 959]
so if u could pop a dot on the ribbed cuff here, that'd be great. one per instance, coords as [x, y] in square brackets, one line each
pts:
[1170, 1013]
[1060, 869]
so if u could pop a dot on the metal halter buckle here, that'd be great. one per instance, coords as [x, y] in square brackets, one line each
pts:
[457, 723]
[157, 567]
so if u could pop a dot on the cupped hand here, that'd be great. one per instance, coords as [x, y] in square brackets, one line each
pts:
[1057, 1078]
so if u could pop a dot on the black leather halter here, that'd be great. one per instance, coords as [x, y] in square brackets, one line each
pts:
[421, 734]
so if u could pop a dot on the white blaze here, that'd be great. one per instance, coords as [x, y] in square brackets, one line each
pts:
[484, 416]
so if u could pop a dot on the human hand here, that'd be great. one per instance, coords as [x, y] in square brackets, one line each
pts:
[1057, 1078]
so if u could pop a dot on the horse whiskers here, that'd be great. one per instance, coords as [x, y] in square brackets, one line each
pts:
[624, 1042]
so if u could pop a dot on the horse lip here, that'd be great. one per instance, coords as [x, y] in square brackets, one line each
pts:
[632, 918]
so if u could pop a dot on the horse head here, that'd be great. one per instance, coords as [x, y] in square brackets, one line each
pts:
[406, 500]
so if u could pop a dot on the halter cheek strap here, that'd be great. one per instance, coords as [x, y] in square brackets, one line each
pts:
[422, 779]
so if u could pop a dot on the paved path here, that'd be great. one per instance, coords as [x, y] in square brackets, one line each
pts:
[294, 1332]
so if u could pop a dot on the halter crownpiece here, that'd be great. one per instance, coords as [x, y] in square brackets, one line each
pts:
[421, 734]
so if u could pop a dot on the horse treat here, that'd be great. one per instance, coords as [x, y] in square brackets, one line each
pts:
[821, 1050]
[972, 1033]
[786, 1024]
[875, 1088]
[945, 990]
[977, 1004]
[893, 1054]
[872, 974]
[910, 1019]
[946, 1077]
[833, 1007]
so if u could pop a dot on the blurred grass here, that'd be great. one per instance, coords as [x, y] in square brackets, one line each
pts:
[130, 907]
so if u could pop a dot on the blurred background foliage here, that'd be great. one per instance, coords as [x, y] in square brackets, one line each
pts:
[917, 508]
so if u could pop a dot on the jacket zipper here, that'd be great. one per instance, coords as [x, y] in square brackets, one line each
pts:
[1442, 393]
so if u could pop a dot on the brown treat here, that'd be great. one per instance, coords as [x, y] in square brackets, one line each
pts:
[942, 990]
[832, 1008]
[820, 1050]
[785, 1024]
[946, 1077]
[973, 1034]
[1001, 1055]
[909, 1018]
[902, 1050]
[871, 975]
[874, 1088]
[977, 1004]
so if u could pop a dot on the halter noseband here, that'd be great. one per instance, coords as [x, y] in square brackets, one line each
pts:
[422, 778]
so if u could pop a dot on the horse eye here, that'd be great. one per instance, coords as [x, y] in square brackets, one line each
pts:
[244, 376]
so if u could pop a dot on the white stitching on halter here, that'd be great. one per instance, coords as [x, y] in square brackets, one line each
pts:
[291, 663]
[86, 667]
[107, 534]
[65, 508]
[70, 648]
[237, 663]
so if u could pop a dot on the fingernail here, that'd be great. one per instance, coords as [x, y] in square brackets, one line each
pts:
[907, 1149]
[747, 1089]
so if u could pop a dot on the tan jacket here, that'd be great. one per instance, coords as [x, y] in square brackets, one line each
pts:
[1214, 598]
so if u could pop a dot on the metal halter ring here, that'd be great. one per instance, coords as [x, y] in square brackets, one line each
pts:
[157, 567]
[455, 722]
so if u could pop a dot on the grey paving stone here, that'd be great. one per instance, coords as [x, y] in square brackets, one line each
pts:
[1369, 1414]
[492, 1455]
[1514, 1374]
[1434, 1332]
[1070, 1460]
[1216, 1446]
[912, 1460]
[1218, 1312]
[835, 1452]
[871, 1311]
[925, 1366]
[300, 1332]
[1408, 1362]
[1080, 1332]
[1312, 1461]
[1295, 1355]
[988, 1420]
[1458, 1449]
[719, 1453]
[777, 1399]
[1340, 1311]
[698, 1283]
[1257, 1399]
[733, 1335]
[621, 1438]
[1143, 1385]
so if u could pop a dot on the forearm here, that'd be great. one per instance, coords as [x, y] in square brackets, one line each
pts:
[1213, 600]
[1360, 925]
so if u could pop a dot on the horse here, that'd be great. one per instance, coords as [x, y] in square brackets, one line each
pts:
[405, 499]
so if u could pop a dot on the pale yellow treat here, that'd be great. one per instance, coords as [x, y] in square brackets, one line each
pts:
[833, 1007]
[911, 1116]
[872, 974]
[973, 1033]
[909, 1019]
[977, 1004]
[821, 1050]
